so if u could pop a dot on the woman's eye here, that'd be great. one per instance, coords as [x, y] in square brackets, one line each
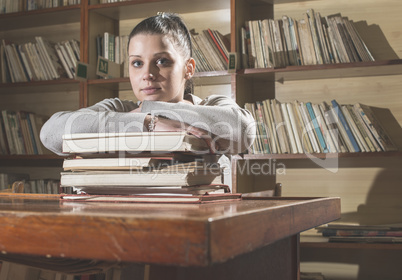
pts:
[163, 61]
[136, 63]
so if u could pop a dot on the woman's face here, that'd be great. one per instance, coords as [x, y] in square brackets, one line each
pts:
[158, 71]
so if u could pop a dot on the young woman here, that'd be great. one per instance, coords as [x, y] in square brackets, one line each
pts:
[160, 70]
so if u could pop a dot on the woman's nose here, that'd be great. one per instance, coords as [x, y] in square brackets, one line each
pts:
[150, 74]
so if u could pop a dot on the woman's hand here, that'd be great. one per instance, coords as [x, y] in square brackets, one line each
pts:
[163, 124]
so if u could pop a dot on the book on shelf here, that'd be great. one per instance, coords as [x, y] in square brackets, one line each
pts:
[7, 179]
[13, 6]
[304, 127]
[338, 232]
[211, 50]
[309, 40]
[49, 186]
[317, 128]
[38, 61]
[309, 129]
[343, 122]
[19, 133]
[367, 114]
[113, 48]
[366, 239]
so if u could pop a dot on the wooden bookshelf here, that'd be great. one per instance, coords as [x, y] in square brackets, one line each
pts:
[361, 177]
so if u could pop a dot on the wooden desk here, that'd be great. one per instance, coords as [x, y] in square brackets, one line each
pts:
[251, 238]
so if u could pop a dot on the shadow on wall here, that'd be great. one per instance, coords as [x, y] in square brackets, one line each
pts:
[383, 205]
[376, 41]
[383, 202]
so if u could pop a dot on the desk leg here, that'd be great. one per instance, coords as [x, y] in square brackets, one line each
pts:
[279, 260]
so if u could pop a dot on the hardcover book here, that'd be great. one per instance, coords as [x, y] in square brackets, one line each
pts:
[204, 198]
[172, 141]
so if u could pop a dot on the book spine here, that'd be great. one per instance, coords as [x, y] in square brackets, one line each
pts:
[345, 125]
[317, 128]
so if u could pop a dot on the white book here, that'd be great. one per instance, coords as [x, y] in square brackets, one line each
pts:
[293, 123]
[289, 129]
[63, 61]
[162, 141]
[324, 130]
[359, 138]
[309, 128]
[142, 178]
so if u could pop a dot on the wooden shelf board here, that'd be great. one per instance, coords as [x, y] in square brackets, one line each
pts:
[348, 245]
[35, 18]
[135, 9]
[318, 155]
[62, 84]
[324, 71]
[48, 160]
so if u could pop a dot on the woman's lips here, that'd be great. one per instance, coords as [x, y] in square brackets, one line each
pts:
[150, 90]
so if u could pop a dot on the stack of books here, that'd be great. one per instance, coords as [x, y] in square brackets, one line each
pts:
[362, 233]
[310, 40]
[304, 127]
[142, 167]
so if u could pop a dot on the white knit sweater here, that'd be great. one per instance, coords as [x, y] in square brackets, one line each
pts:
[217, 114]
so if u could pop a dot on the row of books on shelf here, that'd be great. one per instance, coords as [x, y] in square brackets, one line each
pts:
[15, 271]
[19, 133]
[210, 50]
[310, 40]
[113, 48]
[12, 6]
[49, 186]
[38, 61]
[304, 127]
[336, 232]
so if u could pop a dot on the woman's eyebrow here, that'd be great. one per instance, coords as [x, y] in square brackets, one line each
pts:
[156, 54]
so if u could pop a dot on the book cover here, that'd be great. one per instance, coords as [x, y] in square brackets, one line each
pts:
[205, 198]
[178, 141]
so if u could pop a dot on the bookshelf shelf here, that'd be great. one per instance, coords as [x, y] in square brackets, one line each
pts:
[324, 71]
[40, 17]
[63, 84]
[48, 160]
[135, 9]
[346, 245]
[319, 155]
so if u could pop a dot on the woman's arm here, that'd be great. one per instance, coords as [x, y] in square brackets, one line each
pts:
[231, 127]
[109, 115]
